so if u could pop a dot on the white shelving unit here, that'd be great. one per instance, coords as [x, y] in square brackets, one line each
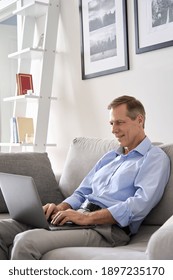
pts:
[29, 13]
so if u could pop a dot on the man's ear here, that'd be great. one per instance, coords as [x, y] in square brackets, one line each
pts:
[141, 119]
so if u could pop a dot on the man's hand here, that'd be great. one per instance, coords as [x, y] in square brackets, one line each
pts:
[69, 215]
[102, 216]
[50, 209]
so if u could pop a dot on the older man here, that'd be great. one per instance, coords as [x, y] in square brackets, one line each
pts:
[116, 195]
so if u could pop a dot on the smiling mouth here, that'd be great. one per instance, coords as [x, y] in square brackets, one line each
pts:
[119, 138]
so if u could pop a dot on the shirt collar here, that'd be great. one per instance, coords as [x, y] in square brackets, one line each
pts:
[142, 148]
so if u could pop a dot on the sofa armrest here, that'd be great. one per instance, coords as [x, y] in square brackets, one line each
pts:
[160, 245]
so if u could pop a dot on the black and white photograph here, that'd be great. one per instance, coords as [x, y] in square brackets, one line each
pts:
[102, 28]
[104, 37]
[153, 24]
[162, 12]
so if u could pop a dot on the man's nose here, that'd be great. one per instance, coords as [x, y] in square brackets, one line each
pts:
[114, 128]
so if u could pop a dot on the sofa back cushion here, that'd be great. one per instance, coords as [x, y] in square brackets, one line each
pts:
[82, 156]
[36, 165]
[164, 209]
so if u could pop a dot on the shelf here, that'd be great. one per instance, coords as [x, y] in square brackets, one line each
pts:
[28, 53]
[24, 145]
[25, 97]
[6, 9]
[14, 145]
[33, 9]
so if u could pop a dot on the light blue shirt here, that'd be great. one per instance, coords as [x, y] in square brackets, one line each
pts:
[129, 186]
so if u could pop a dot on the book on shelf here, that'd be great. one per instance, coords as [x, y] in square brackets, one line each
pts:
[14, 133]
[22, 130]
[24, 83]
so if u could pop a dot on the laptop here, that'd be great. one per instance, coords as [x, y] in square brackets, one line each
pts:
[24, 204]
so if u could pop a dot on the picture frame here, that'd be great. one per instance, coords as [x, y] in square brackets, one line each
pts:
[153, 25]
[24, 83]
[104, 38]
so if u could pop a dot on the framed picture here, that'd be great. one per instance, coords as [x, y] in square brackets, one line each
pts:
[104, 44]
[24, 83]
[153, 24]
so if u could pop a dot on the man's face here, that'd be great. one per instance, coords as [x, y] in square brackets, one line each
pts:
[129, 133]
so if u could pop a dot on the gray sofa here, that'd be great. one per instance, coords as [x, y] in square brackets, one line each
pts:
[154, 239]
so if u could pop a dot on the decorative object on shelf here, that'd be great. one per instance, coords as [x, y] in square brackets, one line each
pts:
[22, 130]
[25, 129]
[104, 37]
[24, 83]
[40, 41]
[153, 24]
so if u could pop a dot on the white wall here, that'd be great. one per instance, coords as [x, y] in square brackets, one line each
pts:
[81, 109]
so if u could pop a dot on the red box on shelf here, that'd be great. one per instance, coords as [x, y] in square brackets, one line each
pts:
[24, 83]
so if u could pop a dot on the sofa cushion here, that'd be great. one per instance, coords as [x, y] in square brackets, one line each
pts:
[164, 208]
[160, 245]
[82, 156]
[36, 165]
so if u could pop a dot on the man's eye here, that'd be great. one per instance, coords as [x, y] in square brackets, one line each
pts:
[117, 123]
[120, 122]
